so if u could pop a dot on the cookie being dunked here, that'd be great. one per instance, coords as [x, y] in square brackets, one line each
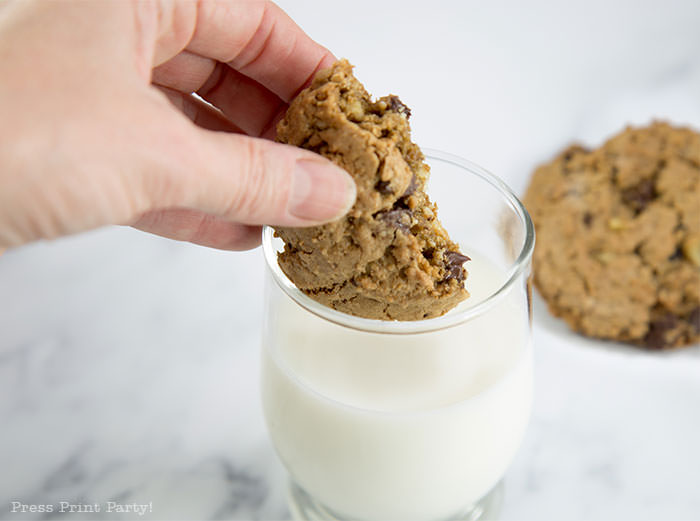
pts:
[389, 258]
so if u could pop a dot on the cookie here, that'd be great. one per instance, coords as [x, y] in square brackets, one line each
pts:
[618, 236]
[389, 258]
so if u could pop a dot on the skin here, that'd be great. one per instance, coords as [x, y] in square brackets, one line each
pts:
[100, 125]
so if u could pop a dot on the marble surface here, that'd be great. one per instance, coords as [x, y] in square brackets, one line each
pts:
[129, 363]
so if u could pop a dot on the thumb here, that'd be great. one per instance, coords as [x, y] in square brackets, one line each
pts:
[256, 181]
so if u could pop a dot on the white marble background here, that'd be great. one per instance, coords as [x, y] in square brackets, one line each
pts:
[129, 363]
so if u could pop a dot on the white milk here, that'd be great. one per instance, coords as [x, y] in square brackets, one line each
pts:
[399, 427]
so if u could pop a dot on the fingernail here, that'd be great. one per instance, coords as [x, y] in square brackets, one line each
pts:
[321, 191]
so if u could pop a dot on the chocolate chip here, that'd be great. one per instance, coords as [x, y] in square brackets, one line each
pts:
[587, 219]
[454, 257]
[401, 204]
[383, 187]
[639, 195]
[412, 186]
[454, 272]
[428, 253]
[453, 265]
[656, 336]
[694, 319]
[678, 254]
[572, 151]
[396, 105]
[399, 218]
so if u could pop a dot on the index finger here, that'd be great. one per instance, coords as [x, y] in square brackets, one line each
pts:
[258, 39]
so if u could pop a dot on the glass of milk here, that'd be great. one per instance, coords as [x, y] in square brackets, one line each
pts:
[411, 421]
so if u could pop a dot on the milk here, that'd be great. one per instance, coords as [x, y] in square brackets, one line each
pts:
[399, 427]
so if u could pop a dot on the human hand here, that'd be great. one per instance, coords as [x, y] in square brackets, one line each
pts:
[91, 134]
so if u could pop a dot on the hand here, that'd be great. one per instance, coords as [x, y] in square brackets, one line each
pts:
[91, 133]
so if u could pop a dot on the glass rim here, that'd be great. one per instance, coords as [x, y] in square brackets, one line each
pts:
[448, 320]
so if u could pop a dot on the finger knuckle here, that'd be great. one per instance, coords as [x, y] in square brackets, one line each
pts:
[255, 192]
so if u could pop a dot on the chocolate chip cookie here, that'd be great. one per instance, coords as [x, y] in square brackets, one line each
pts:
[618, 236]
[389, 258]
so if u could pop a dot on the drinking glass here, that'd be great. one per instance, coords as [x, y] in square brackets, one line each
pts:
[414, 421]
